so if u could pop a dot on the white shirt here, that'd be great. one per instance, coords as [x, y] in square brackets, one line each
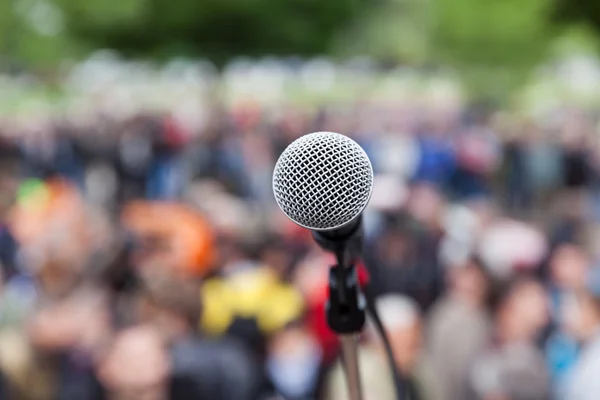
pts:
[585, 379]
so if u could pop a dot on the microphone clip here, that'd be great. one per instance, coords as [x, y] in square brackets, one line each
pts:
[345, 309]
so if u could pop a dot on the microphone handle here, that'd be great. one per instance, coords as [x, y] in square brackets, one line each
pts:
[345, 242]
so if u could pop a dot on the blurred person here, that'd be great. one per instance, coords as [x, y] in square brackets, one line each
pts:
[576, 153]
[459, 326]
[402, 320]
[582, 320]
[68, 320]
[517, 181]
[403, 258]
[230, 151]
[570, 273]
[136, 366]
[509, 247]
[259, 158]
[167, 175]
[67, 162]
[396, 152]
[543, 165]
[294, 362]
[249, 302]
[477, 157]
[38, 151]
[58, 233]
[570, 269]
[512, 367]
[201, 367]
[577, 166]
[567, 227]
[67, 337]
[437, 162]
[9, 249]
[280, 256]
[171, 234]
[133, 158]
[310, 278]
[169, 303]
[426, 205]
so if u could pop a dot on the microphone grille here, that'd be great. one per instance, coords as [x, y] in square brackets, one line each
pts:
[323, 180]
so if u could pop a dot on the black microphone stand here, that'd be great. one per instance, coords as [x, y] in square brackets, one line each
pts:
[345, 309]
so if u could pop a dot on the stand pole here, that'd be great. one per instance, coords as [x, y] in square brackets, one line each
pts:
[350, 357]
[346, 317]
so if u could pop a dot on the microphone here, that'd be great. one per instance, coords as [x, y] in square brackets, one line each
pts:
[323, 181]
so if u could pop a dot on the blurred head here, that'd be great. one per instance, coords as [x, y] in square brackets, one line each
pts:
[569, 267]
[469, 281]
[171, 234]
[522, 311]
[53, 225]
[171, 304]
[402, 320]
[81, 320]
[581, 315]
[426, 205]
[277, 257]
[136, 367]
[294, 359]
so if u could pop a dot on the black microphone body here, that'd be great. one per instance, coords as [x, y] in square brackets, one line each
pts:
[345, 242]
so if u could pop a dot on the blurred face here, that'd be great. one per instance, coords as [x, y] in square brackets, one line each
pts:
[136, 367]
[425, 205]
[153, 250]
[406, 343]
[526, 312]
[569, 268]
[469, 282]
[277, 259]
[293, 361]
[82, 321]
[580, 316]
[533, 306]
[395, 249]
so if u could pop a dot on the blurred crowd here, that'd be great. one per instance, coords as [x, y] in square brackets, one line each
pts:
[142, 259]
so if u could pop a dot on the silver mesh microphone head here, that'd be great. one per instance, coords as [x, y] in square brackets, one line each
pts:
[323, 180]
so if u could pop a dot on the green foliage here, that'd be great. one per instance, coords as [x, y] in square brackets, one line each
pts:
[586, 11]
[218, 29]
[31, 34]
[395, 30]
[492, 32]
[492, 43]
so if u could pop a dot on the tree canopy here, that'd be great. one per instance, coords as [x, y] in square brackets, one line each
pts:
[480, 39]
[218, 29]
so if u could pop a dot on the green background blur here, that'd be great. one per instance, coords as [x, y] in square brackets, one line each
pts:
[493, 44]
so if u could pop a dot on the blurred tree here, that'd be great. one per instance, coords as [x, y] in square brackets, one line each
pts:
[31, 33]
[586, 11]
[214, 28]
[393, 30]
[493, 44]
